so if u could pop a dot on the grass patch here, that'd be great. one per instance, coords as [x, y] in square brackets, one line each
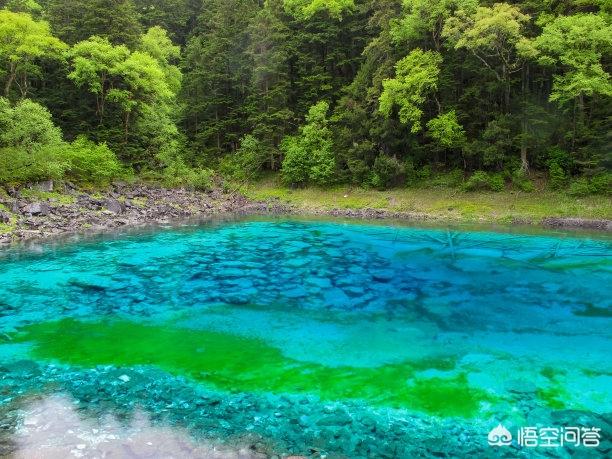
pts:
[54, 198]
[440, 203]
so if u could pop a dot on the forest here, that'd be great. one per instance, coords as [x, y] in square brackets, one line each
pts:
[472, 94]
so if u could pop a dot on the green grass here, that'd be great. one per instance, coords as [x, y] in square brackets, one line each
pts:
[55, 198]
[438, 203]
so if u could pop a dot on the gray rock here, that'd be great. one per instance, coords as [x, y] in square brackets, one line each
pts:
[37, 208]
[46, 185]
[5, 217]
[114, 206]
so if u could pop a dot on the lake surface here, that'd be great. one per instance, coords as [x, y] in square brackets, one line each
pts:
[252, 338]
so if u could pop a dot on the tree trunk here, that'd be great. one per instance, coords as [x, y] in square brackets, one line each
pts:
[9, 80]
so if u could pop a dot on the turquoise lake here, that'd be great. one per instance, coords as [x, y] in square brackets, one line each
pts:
[310, 337]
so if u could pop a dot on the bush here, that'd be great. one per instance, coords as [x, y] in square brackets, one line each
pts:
[247, 162]
[599, 184]
[580, 187]
[386, 171]
[521, 181]
[27, 125]
[308, 155]
[556, 175]
[18, 166]
[450, 179]
[90, 163]
[178, 175]
[480, 180]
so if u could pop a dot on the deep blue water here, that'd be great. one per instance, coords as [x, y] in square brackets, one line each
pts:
[481, 327]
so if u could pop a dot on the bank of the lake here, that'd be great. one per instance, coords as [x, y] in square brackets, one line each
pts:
[50, 210]
[545, 208]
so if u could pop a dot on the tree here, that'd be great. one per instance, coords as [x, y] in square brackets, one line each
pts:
[307, 8]
[416, 76]
[575, 47]
[94, 65]
[446, 131]
[218, 72]
[493, 35]
[78, 20]
[24, 43]
[267, 108]
[496, 37]
[130, 80]
[425, 19]
[309, 156]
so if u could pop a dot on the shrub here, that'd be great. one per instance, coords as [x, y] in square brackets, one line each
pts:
[480, 180]
[599, 184]
[451, 179]
[580, 187]
[308, 155]
[246, 162]
[27, 125]
[359, 171]
[18, 166]
[89, 162]
[178, 175]
[386, 171]
[556, 175]
[521, 181]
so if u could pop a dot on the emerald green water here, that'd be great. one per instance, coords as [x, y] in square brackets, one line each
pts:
[276, 320]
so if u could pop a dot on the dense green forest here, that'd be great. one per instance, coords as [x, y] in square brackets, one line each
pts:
[377, 93]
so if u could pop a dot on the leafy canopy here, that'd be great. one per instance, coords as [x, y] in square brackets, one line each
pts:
[416, 76]
[23, 43]
[576, 45]
[305, 9]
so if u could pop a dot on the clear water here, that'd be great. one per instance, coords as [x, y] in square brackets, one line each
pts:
[314, 337]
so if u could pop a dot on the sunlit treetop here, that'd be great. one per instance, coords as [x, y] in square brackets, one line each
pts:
[305, 9]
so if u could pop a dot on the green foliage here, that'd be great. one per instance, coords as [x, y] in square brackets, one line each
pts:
[308, 156]
[90, 163]
[557, 178]
[416, 76]
[246, 163]
[521, 181]
[422, 18]
[18, 166]
[386, 172]
[24, 44]
[446, 131]
[305, 9]
[418, 91]
[77, 20]
[599, 184]
[577, 44]
[480, 180]
[178, 175]
[27, 126]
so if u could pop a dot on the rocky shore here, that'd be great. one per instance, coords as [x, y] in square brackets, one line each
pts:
[45, 214]
[41, 212]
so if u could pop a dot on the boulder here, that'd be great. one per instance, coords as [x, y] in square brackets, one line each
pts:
[5, 217]
[36, 208]
[114, 206]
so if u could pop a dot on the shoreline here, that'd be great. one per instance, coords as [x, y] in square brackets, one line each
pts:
[46, 215]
